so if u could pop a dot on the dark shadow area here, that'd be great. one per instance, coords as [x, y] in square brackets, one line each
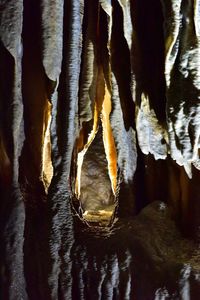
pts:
[151, 181]
[148, 54]
[34, 96]
[6, 98]
[34, 91]
[6, 159]
[103, 58]
[121, 66]
[87, 93]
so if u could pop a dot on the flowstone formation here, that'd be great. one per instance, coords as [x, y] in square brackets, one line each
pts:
[99, 149]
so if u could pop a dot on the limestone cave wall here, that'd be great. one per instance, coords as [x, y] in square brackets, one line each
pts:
[99, 111]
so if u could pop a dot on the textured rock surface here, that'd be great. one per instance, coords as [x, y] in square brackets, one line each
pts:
[182, 79]
[96, 191]
[66, 58]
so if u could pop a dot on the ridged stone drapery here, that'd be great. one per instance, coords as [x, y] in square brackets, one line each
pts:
[62, 63]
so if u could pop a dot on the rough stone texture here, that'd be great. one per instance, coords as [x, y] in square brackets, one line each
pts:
[96, 192]
[12, 136]
[87, 89]
[182, 80]
[68, 53]
[118, 263]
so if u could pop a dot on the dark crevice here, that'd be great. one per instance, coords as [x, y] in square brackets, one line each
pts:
[148, 183]
[64, 100]
[34, 96]
[102, 48]
[141, 196]
[149, 61]
[6, 96]
[34, 87]
[121, 66]
[85, 41]
[87, 93]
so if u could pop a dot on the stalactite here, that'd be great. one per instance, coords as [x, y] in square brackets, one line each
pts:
[61, 230]
[99, 80]
[12, 207]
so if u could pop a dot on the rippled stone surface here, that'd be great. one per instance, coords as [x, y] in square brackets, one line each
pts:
[144, 258]
[62, 58]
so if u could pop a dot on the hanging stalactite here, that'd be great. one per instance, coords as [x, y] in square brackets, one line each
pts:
[99, 97]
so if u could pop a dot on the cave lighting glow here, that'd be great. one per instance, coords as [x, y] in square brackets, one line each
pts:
[102, 110]
[47, 167]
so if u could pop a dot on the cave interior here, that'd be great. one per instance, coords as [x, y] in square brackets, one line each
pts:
[99, 149]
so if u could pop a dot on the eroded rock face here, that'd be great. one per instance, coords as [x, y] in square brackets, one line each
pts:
[134, 67]
[96, 191]
[182, 66]
[144, 258]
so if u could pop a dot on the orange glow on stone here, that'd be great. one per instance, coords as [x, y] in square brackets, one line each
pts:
[102, 109]
[47, 167]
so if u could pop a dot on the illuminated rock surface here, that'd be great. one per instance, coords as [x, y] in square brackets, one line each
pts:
[96, 191]
[99, 109]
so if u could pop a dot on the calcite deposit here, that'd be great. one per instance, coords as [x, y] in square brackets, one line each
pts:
[99, 149]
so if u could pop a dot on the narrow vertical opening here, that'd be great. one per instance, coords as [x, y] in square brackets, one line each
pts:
[96, 169]
[47, 167]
